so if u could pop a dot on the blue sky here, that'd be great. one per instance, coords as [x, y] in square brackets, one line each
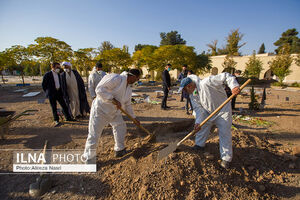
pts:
[87, 23]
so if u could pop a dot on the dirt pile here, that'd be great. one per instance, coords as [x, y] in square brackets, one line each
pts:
[259, 170]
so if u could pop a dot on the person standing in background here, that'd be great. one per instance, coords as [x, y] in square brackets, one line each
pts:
[182, 75]
[166, 86]
[52, 87]
[94, 78]
[74, 91]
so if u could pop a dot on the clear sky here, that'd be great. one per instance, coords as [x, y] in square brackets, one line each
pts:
[87, 23]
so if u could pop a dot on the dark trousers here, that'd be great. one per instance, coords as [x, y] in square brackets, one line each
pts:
[188, 101]
[164, 100]
[181, 98]
[233, 102]
[58, 96]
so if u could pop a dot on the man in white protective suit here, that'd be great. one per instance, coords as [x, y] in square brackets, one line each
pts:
[113, 92]
[211, 95]
[94, 78]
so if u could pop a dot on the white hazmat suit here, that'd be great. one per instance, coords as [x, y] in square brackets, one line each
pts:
[211, 95]
[104, 112]
[94, 78]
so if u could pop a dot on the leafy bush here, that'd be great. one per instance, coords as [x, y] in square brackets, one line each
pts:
[295, 84]
[253, 105]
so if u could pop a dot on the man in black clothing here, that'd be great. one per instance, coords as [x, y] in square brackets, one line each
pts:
[52, 87]
[166, 85]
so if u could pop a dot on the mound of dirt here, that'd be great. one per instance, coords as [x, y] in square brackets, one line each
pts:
[259, 170]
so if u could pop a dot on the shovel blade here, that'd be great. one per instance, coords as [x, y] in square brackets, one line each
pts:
[166, 151]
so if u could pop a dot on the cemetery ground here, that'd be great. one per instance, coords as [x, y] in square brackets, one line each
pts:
[265, 165]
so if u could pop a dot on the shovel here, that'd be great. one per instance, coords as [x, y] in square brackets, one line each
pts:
[173, 146]
[151, 137]
[43, 183]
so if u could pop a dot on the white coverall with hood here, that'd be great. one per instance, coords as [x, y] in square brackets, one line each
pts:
[104, 112]
[211, 95]
[94, 78]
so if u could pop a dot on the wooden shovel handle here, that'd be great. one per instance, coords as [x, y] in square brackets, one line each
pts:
[134, 121]
[213, 113]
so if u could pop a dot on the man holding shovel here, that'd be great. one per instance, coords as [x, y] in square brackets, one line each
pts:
[113, 92]
[211, 95]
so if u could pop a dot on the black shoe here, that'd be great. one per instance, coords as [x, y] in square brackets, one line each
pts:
[121, 153]
[163, 108]
[57, 124]
[167, 107]
[188, 113]
[198, 148]
[225, 164]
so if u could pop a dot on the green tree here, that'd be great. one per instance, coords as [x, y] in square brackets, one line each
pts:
[233, 40]
[213, 48]
[280, 66]
[262, 49]
[203, 64]
[177, 55]
[4, 63]
[253, 67]
[84, 60]
[17, 56]
[115, 60]
[31, 68]
[171, 38]
[222, 51]
[141, 46]
[144, 57]
[49, 50]
[106, 45]
[289, 37]
[229, 64]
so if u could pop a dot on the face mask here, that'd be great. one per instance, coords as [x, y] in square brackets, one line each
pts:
[99, 72]
[67, 70]
[169, 69]
[57, 70]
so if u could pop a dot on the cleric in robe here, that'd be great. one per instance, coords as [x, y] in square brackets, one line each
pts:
[74, 91]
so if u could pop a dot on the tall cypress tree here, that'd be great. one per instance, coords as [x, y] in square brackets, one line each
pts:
[262, 49]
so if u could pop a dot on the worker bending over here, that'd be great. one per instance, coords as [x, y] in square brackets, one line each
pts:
[112, 92]
[211, 95]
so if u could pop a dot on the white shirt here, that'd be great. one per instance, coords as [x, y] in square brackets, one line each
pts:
[94, 78]
[56, 80]
[212, 93]
[114, 86]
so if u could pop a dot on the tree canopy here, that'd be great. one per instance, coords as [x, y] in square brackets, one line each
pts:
[105, 45]
[50, 49]
[280, 66]
[213, 48]
[232, 45]
[253, 67]
[144, 57]
[233, 42]
[115, 59]
[229, 64]
[84, 59]
[171, 38]
[289, 37]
